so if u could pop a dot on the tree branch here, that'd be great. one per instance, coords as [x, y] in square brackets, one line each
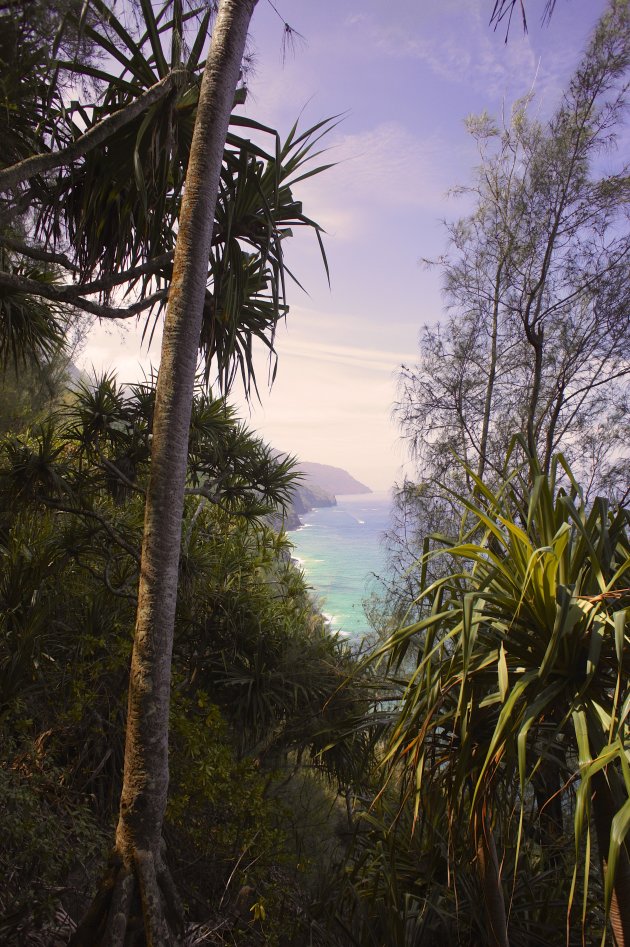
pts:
[38, 253]
[95, 136]
[105, 578]
[90, 514]
[71, 294]
[113, 469]
[213, 498]
[116, 279]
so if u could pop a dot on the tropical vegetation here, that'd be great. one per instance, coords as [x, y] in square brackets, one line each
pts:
[507, 755]
[467, 781]
[257, 676]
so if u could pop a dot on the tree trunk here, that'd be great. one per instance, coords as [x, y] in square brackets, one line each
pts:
[490, 877]
[137, 865]
[492, 372]
[604, 810]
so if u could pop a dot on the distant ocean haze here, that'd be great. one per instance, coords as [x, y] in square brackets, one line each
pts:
[340, 550]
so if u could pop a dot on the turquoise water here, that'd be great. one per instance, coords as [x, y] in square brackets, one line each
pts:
[339, 550]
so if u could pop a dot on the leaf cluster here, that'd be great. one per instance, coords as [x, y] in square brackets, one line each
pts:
[99, 186]
[515, 704]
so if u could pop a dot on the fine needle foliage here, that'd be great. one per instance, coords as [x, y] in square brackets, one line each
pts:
[534, 331]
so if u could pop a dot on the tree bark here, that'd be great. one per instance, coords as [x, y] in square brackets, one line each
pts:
[145, 781]
[492, 372]
[604, 810]
[146, 753]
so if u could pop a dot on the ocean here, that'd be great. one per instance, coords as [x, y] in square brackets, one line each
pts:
[339, 548]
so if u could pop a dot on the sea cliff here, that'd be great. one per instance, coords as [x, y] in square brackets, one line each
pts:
[319, 486]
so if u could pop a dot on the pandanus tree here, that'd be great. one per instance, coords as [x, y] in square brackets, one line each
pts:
[145, 193]
[96, 199]
[518, 700]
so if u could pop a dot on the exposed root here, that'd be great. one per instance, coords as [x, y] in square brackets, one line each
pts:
[136, 904]
[120, 909]
[174, 909]
[155, 926]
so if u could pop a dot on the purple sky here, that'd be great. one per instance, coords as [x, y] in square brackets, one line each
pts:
[406, 73]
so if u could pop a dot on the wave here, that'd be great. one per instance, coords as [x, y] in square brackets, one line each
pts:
[339, 560]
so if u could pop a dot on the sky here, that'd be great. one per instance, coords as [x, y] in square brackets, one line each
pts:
[402, 76]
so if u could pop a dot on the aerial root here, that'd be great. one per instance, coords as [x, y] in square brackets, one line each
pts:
[152, 909]
[135, 903]
[173, 905]
[120, 909]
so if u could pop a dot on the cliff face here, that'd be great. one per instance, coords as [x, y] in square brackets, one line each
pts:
[306, 496]
[309, 495]
[318, 487]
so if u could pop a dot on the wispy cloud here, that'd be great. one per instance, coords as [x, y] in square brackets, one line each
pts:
[331, 403]
[385, 167]
[352, 357]
[464, 50]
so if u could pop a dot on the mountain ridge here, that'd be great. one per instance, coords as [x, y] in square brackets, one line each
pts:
[319, 485]
[334, 480]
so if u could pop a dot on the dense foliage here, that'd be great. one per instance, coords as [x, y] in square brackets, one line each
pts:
[503, 811]
[507, 758]
[100, 107]
[247, 634]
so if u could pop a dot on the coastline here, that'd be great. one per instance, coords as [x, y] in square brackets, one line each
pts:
[339, 551]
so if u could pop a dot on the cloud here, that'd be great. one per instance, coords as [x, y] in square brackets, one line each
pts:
[461, 49]
[119, 347]
[331, 401]
[383, 168]
[332, 398]
[352, 357]
[322, 409]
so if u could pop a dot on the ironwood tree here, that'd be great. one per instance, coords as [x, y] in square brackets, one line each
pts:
[537, 291]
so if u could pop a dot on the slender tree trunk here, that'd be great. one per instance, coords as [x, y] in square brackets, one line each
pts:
[492, 373]
[137, 863]
[146, 754]
[550, 442]
[490, 877]
[604, 810]
[535, 338]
